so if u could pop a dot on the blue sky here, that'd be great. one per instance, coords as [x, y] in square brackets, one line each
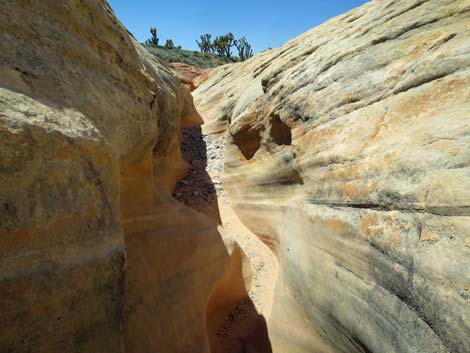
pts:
[264, 23]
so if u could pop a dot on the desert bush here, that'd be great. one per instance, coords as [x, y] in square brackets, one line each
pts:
[169, 44]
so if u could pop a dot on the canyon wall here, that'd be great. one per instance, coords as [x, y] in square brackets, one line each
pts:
[95, 254]
[348, 153]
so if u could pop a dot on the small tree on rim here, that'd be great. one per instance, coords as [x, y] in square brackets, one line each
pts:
[205, 45]
[169, 44]
[154, 39]
[244, 49]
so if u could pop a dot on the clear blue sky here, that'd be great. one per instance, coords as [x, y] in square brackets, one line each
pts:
[265, 23]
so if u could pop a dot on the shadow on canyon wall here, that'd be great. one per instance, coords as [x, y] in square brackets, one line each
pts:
[233, 323]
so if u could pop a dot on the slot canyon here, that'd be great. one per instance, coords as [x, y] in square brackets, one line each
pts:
[314, 198]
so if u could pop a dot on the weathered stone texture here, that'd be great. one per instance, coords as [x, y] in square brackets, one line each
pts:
[82, 107]
[349, 154]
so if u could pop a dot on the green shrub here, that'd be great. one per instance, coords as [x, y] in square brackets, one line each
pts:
[169, 44]
[202, 60]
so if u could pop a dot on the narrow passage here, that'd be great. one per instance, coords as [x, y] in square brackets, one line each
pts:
[202, 189]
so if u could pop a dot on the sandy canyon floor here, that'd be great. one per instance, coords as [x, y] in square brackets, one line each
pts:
[202, 189]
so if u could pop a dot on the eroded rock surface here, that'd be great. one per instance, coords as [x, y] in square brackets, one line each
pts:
[348, 153]
[187, 74]
[95, 255]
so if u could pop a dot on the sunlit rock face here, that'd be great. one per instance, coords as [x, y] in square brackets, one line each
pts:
[349, 155]
[187, 73]
[89, 154]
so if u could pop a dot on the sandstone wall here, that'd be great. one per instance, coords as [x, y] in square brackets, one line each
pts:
[349, 155]
[89, 153]
[187, 73]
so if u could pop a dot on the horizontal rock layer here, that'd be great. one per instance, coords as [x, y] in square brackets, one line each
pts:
[348, 153]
